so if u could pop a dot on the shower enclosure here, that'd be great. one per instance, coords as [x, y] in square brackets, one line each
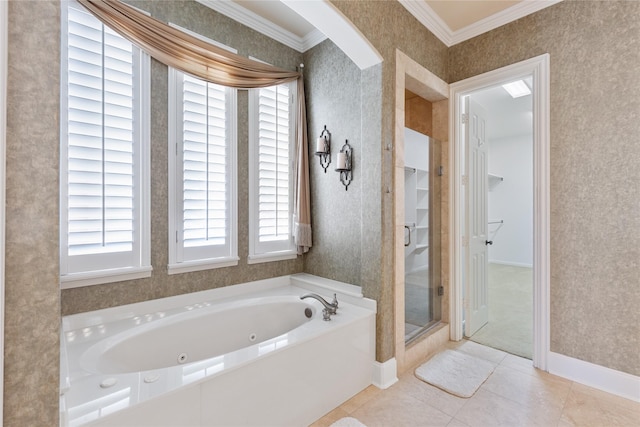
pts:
[422, 189]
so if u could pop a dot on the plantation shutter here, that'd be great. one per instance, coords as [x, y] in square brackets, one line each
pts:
[274, 128]
[204, 164]
[202, 196]
[101, 149]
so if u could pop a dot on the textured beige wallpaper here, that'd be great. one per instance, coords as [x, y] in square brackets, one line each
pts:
[595, 174]
[387, 25]
[32, 295]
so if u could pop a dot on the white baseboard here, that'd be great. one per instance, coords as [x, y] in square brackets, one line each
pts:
[511, 264]
[385, 374]
[596, 376]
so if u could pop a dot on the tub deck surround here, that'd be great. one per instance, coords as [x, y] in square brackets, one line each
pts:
[244, 355]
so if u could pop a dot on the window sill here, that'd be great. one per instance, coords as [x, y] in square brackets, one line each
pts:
[205, 264]
[273, 256]
[78, 280]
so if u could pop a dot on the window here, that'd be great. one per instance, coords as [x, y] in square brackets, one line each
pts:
[104, 171]
[202, 174]
[271, 130]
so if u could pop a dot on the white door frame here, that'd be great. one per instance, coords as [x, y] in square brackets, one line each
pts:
[538, 68]
[4, 47]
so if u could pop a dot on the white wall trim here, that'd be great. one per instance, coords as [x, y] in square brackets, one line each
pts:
[597, 376]
[538, 68]
[256, 22]
[4, 42]
[430, 19]
[385, 374]
[330, 21]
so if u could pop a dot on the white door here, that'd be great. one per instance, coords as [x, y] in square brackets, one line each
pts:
[476, 290]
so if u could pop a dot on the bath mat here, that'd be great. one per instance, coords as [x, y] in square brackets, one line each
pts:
[347, 422]
[455, 372]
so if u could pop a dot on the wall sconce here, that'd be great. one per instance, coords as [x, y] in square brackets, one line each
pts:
[344, 161]
[323, 148]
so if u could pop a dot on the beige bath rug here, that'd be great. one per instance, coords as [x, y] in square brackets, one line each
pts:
[347, 422]
[455, 372]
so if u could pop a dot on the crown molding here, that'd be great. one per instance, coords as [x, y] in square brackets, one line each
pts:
[313, 38]
[430, 19]
[264, 26]
[427, 17]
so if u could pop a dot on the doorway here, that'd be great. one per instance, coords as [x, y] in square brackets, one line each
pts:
[431, 93]
[503, 116]
[538, 70]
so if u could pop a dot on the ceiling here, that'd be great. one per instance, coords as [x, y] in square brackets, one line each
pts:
[452, 21]
[506, 116]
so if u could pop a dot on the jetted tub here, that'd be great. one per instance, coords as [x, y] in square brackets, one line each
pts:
[250, 354]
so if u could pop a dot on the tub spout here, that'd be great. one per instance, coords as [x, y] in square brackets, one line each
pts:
[329, 307]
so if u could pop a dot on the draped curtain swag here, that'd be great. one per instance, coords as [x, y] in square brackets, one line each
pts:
[191, 55]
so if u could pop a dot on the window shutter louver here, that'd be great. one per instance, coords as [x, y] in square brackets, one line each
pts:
[202, 202]
[204, 164]
[102, 150]
[273, 209]
[100, 137]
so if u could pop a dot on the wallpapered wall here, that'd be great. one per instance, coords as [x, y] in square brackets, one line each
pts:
[594, 49]
[594, 58]
[34, 302]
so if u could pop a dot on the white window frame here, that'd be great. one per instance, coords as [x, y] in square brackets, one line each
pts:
[140, 257]
[260, 252]
[178, 263]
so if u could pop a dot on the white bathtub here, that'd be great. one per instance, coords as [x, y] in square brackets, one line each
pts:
[241, 355]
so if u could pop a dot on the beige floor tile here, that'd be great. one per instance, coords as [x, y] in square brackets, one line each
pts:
[587, 407]
[607, 398]
[518, 363]
[536, 392]
[483, 352]
[486, 409]
[330, 418]
[360, 399]
[396, 408]
[456, 423]
[445, 402]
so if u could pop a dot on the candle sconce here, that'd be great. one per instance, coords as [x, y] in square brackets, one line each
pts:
[323, 148]
[344, 160]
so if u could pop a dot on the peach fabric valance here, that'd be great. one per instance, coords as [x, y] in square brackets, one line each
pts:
[208, 62]
[184, 52]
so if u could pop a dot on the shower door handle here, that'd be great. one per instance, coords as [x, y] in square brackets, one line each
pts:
[407, 243]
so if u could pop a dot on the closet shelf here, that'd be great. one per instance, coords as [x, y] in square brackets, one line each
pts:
[421, 247]
[494, 180]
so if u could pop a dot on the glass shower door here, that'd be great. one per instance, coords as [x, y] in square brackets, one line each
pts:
[422, 234]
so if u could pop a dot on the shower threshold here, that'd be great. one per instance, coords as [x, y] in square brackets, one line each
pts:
[413, 332]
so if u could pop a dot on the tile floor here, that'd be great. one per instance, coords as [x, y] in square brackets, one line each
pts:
[515, 394]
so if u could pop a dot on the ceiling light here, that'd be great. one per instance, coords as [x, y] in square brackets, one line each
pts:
[517, 89]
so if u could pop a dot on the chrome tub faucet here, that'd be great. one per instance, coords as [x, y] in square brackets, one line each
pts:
[329, 307]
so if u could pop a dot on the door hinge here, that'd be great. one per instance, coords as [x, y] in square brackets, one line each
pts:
[465, 118]
[440, 170]
[440, 291]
